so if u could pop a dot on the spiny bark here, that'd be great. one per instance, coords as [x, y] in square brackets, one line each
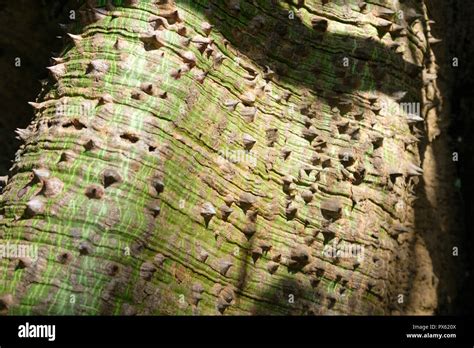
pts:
[205, 157]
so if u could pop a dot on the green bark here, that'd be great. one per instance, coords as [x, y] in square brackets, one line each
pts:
[198, 158]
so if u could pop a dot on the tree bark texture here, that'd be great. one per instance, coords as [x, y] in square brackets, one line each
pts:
[212, 157]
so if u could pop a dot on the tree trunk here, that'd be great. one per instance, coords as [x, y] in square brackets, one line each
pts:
[235, 157]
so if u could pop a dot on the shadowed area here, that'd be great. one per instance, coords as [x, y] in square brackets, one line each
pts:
[276, 37]
[27, 41]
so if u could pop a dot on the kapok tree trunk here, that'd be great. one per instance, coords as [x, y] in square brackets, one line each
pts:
[236, 157]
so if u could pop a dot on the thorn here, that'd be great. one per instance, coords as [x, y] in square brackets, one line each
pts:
[413, 170]
[331, 209]
[225, 211]
[346, 156]
[120, 44]
[201, 41]
[247, 200]
[218, 58]
[152, 41]
[285, 152]
[147, 270]
[411, 15]
[65, 257]
[24, 262]
[206, 28]
[138, 96]
[397, 30]
[310, 133]
[319, 23]
[57, 60]
[66, 156]
[248, 98]
[159, 259]
[203, 255]
[397, 96]
[158, 185]
[231, 104]
[386, 13]
[300, 255]
[90, 145]
[362, 6]
[229, 200]
[200, 76]
[41, 174]
[34, 207]
[180, 28]
[383, 26]
[155, 210]
[224, 266]
[85, 248]
[272, 267]
[75, 38]
[412, 118]
[110, 176]
[175, 16]
[148, 88]
[36, 106]
[434, 41]
[197, 287]
[207, 212]
[95, 191]
[248, 141]
[160, 22]
[189, 58]
[376, 140]
[57, 71]
[185, 41]
[395, 45]
[288, 180]
[176, 73]
[256, 252]
[291, 211]
[269, 73]
[23, 134]
[52, 187]
[97, 66]
[106, 99]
